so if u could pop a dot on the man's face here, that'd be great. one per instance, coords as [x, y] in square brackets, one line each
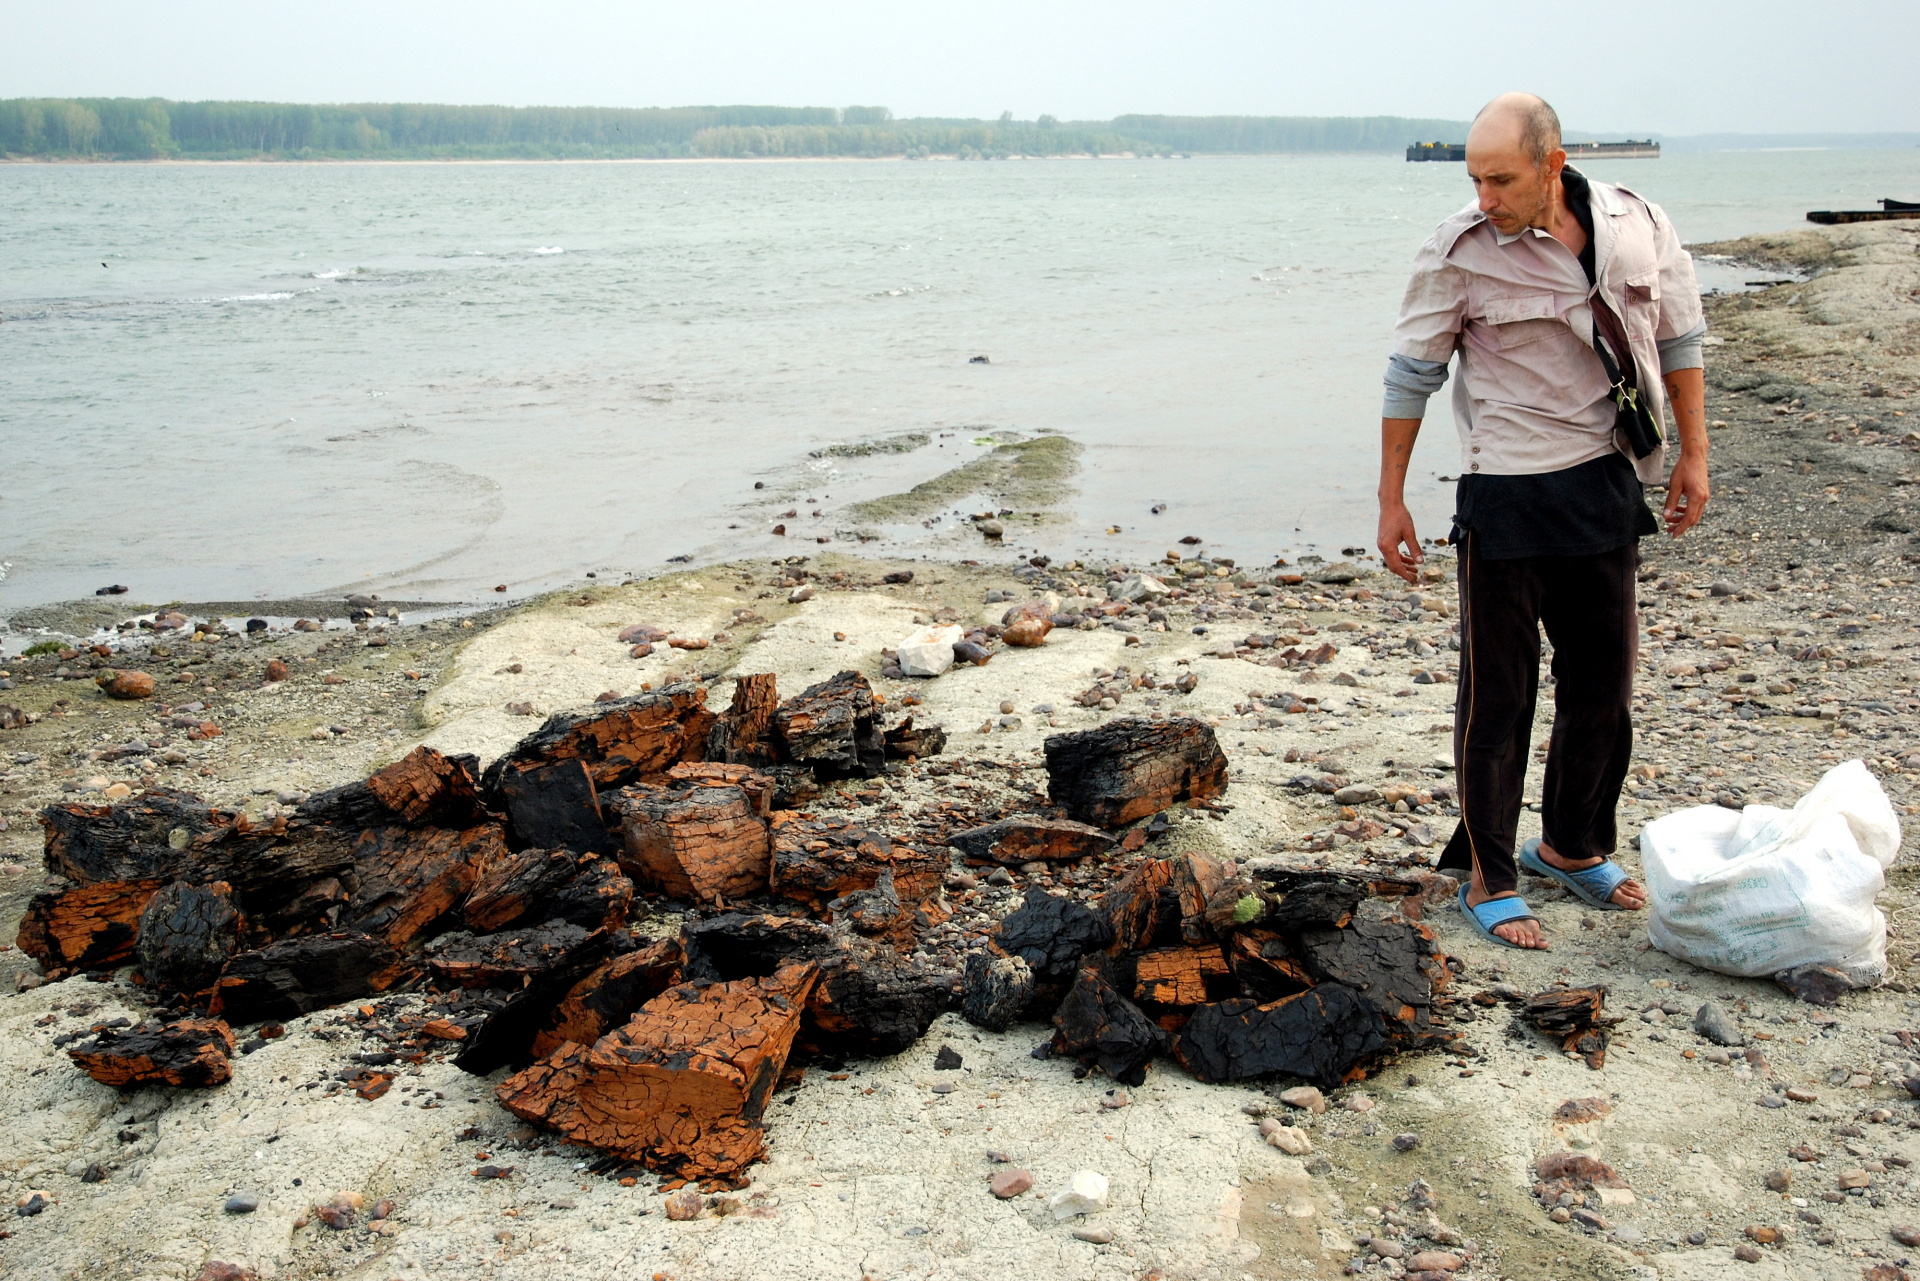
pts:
[1514, 192]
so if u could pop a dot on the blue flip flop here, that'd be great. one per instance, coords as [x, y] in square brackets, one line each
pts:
[1594, 885]
[1496, 911]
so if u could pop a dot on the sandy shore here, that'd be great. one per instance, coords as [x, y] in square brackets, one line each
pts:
[1802, 579]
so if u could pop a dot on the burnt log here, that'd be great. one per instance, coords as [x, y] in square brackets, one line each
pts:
[410, 880]
[761, 787]
[1182, 976]
[905, 742]
[301, 975]
[555, 805]
[1051, 935]
[1124, 770]
[682, 1086]
[168, 835]
[817, 860]
[618, 740]
[506, 959]
[995, 990]
[1027, 839]
[702, 843]
[743, 733]
[598, 897]
[186, 1053]
[1320, 1035]
[794, 786]
[870, 999]
[607, 997]
[1575, 1015]
[1396, 965]
[87, 927]
[1264, 967]
[507, 1036]
[1143, 910]
[833, 728]
[187, 932]
[516, 886]
[1098, 1025]
[1198, 884]
[422, 788]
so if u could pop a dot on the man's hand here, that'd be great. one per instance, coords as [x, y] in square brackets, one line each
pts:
[1396, 532]
[1687, 487]
[1687, 493]
[1396, 522]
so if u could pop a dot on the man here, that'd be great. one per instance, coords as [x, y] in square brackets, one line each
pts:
[1561, 296]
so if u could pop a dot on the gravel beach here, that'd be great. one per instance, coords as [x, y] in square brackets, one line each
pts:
[1779, 641]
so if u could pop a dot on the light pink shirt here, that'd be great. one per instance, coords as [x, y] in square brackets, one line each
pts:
[1531, 394]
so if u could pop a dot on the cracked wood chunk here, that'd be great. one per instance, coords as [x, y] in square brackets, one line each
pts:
[507, 1036]
[301, 975]
[410, 880]
[1027, 839]
[681, 1087]
[906, 743]
[609, 995]
[1101, 1027]
[507, 959]
[618, 740]
[188, 1052]
[742, 734]
[556, 806]
[1321, 1035]
[1179, 975]
[88, 927]
[834, 727]
[1397, 965]
[422, 788]
[1129, 768]
[546, 885]
[817, 860]
[703, 843]
[187, 932]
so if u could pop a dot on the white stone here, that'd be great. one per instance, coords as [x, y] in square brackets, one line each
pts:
[1304, 1097]
[1085, 1193]
[928, 651]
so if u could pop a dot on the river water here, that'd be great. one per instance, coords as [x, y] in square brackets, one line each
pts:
[425, 380]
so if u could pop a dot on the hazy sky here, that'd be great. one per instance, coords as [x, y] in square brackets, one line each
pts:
[1612, 66]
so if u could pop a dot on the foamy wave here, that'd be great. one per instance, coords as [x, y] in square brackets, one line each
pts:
[257, 298]
[335, 274]
[549, 249]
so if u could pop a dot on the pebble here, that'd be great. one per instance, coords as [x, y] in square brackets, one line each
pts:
[1387, 1249]
[1085, 1193]
[1357, 1103]
[1907, 1236]
[1435, 1261]
[1779, 1180]
[32, 1202]
[1746, 1253]
[1560, 1214]
[1098, 1236]
[1800, 1094]
[242, 1203]
[1717, 1025]
[1696, 1237]
[1855, 1178]
[1406, 1142]
[1008, 1184]
[1304, 1097]
[684, 1205]
[1627, 1234]
[1290, 1139]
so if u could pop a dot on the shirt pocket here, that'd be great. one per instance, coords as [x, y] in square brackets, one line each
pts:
[1642, 297]
[1519, 319]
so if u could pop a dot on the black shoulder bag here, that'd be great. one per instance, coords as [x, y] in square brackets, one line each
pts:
[1633, 416]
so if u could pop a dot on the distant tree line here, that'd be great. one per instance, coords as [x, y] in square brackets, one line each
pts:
[152, 128]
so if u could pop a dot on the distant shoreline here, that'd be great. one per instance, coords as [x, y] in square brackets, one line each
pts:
[164, 162]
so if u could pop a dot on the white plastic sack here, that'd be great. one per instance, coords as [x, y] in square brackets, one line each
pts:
[1767, 889]
[928, 651]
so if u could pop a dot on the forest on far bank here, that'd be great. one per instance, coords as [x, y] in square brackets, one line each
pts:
[154, 129]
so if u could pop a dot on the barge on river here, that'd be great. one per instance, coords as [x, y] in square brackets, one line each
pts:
[1628, 150]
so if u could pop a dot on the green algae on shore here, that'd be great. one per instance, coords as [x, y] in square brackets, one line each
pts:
[1025, 474]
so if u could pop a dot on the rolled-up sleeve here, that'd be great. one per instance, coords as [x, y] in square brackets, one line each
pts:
[1684, 351]
[1409, 383]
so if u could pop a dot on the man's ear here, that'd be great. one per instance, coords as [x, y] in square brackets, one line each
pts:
[1556, 161]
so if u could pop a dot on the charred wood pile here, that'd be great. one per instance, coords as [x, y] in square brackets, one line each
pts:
[821, 916]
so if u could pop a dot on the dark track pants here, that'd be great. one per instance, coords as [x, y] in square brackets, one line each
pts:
[1588, 606]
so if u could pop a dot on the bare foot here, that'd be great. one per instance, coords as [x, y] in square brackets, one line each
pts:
[1629, 894]
[1527, 934]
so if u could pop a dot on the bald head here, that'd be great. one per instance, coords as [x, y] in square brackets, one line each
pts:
[1518, 121]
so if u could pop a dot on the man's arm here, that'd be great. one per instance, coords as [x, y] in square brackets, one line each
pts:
[1687, 489]
[1396, 522]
